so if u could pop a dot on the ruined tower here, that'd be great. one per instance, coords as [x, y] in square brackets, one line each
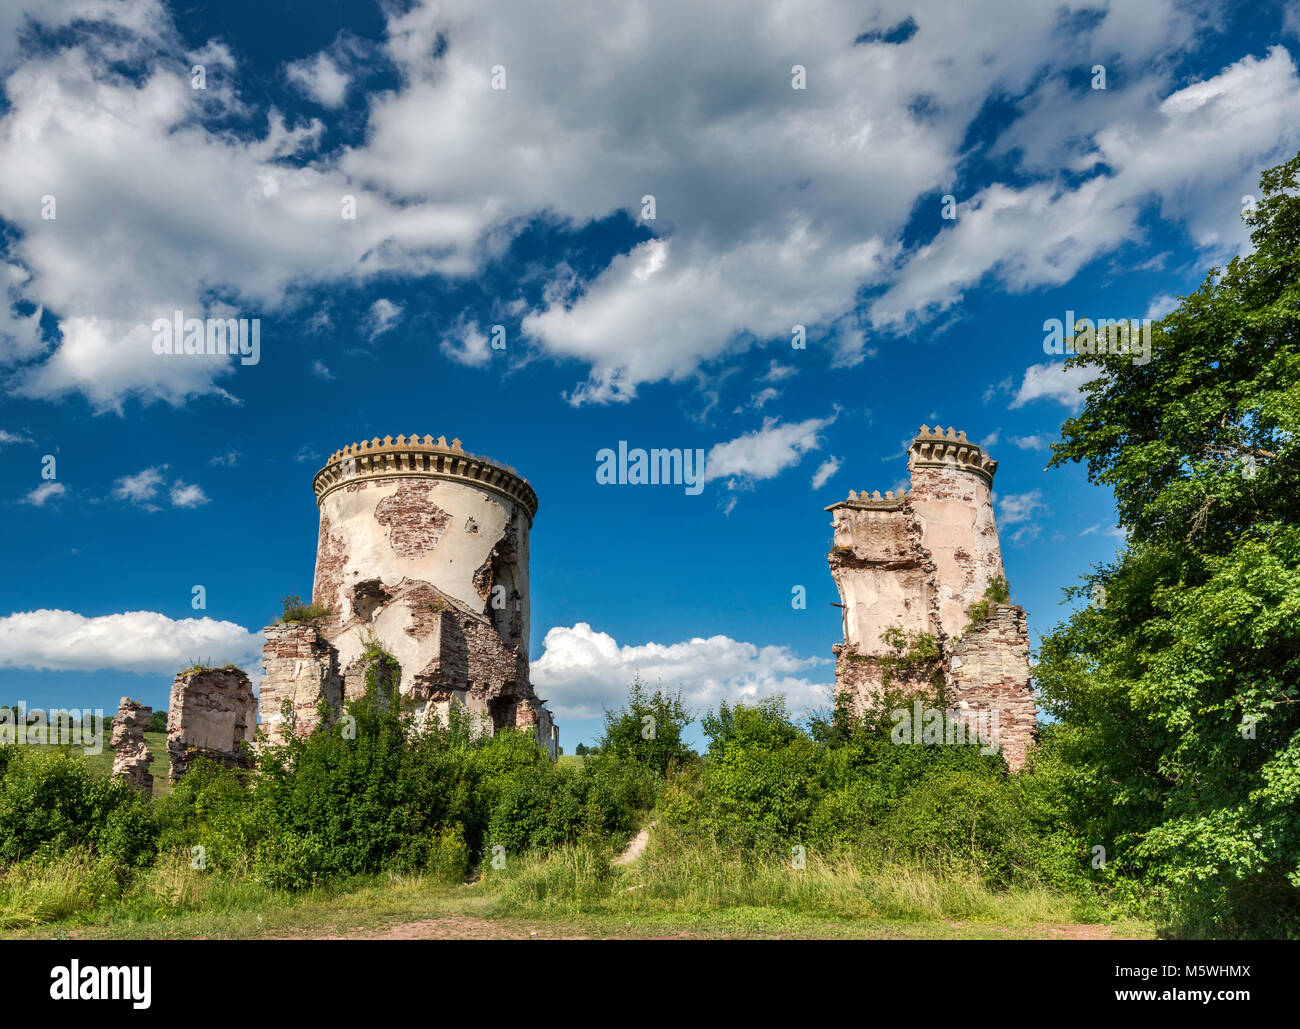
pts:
[423, 547]
[919, 562]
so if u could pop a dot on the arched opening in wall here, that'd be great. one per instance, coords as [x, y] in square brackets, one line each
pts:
[369, 595]
[502, 710]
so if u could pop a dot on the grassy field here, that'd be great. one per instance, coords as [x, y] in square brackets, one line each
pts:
[396, 907]
[571, 893]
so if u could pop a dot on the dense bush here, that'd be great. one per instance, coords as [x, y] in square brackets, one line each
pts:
[51, 803]
[648, 730]
[372, 792]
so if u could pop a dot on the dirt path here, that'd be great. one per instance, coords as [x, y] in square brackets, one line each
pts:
[636, 848]
[463, 928]
[467, 928]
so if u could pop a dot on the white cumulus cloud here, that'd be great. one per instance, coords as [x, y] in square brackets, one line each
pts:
[134, 641]
[582, 671]
[1052, 380]
[46, 491]
[1019, 507]
[764, 453]
[824, 472]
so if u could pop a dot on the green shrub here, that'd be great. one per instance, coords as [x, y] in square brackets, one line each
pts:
[51, 803]
[648, 730]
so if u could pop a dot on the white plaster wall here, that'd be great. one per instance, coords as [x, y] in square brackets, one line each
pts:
[450, 565]
[952, 525]
[876, 599]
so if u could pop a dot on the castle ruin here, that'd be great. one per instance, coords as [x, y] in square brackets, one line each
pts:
[917, 564]
[423, 547]
[212, 713]
[131, 755]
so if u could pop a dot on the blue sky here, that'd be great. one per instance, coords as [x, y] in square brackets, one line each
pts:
[522, 207]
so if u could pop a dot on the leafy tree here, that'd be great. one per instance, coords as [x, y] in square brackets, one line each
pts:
[649, 729]
[1178, 688]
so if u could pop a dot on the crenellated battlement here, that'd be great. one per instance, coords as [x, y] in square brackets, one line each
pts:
[934, 448]
[931, 448]
[873, 501]
[421, 457]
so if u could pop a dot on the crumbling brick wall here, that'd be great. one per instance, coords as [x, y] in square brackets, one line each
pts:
[299, 666]
[861, 680]
[916, 561]
[131, 755]
[988, 668]
[212, 714]
[384, 673]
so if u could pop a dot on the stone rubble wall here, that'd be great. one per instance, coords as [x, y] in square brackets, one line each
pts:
[989, 671]
[131, 755]
[299, 666]
[212, 714]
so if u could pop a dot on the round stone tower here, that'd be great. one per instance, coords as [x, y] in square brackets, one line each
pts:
[425, 548]
[951, 495]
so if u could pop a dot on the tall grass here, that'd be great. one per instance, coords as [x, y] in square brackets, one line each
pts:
[704, 880]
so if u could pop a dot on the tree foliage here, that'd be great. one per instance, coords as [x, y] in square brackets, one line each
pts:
[1179, 695]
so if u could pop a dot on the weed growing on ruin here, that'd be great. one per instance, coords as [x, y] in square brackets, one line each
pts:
[296, 611]
[995, 593]
[913, 652]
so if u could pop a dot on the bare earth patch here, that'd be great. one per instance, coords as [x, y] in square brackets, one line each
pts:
[636, 848]
[468, 928]
[462, 928]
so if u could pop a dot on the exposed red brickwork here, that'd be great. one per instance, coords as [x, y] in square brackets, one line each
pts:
[415, 523]
[331, 559]
[989, 671]
[426, 604]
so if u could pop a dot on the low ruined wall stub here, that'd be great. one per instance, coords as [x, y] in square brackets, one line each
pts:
[386, 676]
[861, 680]
[212, 713]
[301, 666]
[988, 668]
[131, 756]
